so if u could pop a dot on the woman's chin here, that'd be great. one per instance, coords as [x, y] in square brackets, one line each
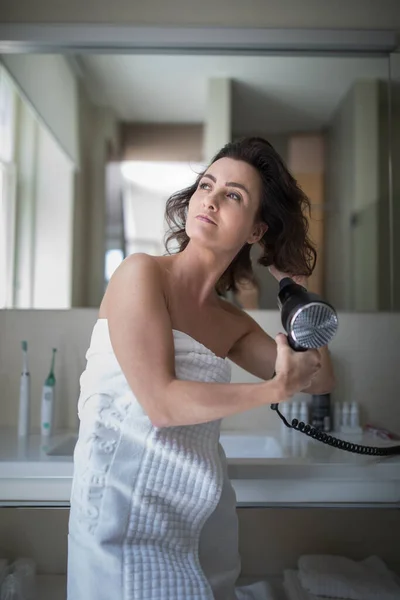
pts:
[201, 232]
[201, 240]
[206, 237]
[203, 243]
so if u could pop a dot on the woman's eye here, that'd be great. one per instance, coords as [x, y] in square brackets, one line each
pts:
[235, 196]
[204, 186]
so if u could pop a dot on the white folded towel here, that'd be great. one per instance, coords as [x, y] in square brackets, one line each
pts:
[294, 590]
[340, 577]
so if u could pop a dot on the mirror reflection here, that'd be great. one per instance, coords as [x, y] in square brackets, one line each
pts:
[92, 146]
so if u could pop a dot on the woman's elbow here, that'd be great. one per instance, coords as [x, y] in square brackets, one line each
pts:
[158, 416]
[155, 404]
[159, 420]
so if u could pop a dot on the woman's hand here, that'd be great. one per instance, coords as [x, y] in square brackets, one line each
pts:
[295, 370]
[300, 279]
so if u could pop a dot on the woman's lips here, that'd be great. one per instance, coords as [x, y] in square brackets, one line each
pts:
[205, 219]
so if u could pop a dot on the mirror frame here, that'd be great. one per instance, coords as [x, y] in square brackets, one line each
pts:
[79, 38]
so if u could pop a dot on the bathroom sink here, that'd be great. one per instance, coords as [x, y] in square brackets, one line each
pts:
[241, 445]
[65, 447]
[235, 446]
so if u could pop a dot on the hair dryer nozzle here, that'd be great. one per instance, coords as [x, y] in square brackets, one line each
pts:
[309, 321]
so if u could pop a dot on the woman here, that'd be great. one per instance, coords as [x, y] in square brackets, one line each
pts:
[152, 510]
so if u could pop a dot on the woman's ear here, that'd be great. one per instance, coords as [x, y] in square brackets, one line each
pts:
[258, 231]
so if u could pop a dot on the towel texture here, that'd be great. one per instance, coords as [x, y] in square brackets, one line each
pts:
[153, 514]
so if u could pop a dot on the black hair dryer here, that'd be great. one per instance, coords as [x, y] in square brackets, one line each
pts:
[312, 323]
[309, 321]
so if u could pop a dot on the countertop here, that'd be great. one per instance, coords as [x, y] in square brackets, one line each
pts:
[274, 468]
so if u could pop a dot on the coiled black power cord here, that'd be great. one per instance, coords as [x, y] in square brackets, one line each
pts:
[323, 437]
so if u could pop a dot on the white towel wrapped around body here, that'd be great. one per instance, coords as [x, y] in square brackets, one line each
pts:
[341, 577]
[153, 513]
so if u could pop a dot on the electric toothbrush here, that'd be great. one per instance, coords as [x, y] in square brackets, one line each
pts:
[47, 413]
[24, 394]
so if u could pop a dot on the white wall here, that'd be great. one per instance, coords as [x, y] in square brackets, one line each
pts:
[356, 167]
[26, 154]
[69, 332]
[217, 123]
[98, 138]
[85, 134]
[50, 86]
[53, 235]
[144, 214]
[43, 203]
[365, 354]
[365, 233]
[340, 194]
[104, 138]
[366, 131]
[365, 14]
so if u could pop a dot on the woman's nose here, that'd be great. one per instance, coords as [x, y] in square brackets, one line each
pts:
[211, 202]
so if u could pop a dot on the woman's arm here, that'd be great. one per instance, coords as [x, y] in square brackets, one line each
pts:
[256, 352]
[142, 339]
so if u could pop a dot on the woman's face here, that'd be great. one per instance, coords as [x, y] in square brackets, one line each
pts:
[222, 210]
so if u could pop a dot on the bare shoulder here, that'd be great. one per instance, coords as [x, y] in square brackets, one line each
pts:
[138, 269]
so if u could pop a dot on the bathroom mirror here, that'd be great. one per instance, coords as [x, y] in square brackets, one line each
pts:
[93, 144]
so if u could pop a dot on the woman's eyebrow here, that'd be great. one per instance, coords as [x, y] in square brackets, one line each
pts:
[238, 185]
[229, 183]
[210, 177]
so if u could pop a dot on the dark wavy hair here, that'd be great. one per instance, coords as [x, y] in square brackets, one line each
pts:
[283, 206]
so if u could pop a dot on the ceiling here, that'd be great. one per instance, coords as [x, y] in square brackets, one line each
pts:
[271, 94]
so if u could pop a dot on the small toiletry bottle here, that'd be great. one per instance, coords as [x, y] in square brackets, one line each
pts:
[337, 416]
[321, 412]
[286, 411]
[47, 413]
[304, 412]
[345, 414]
[24, 394]
[295, 410]
[354, 415]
